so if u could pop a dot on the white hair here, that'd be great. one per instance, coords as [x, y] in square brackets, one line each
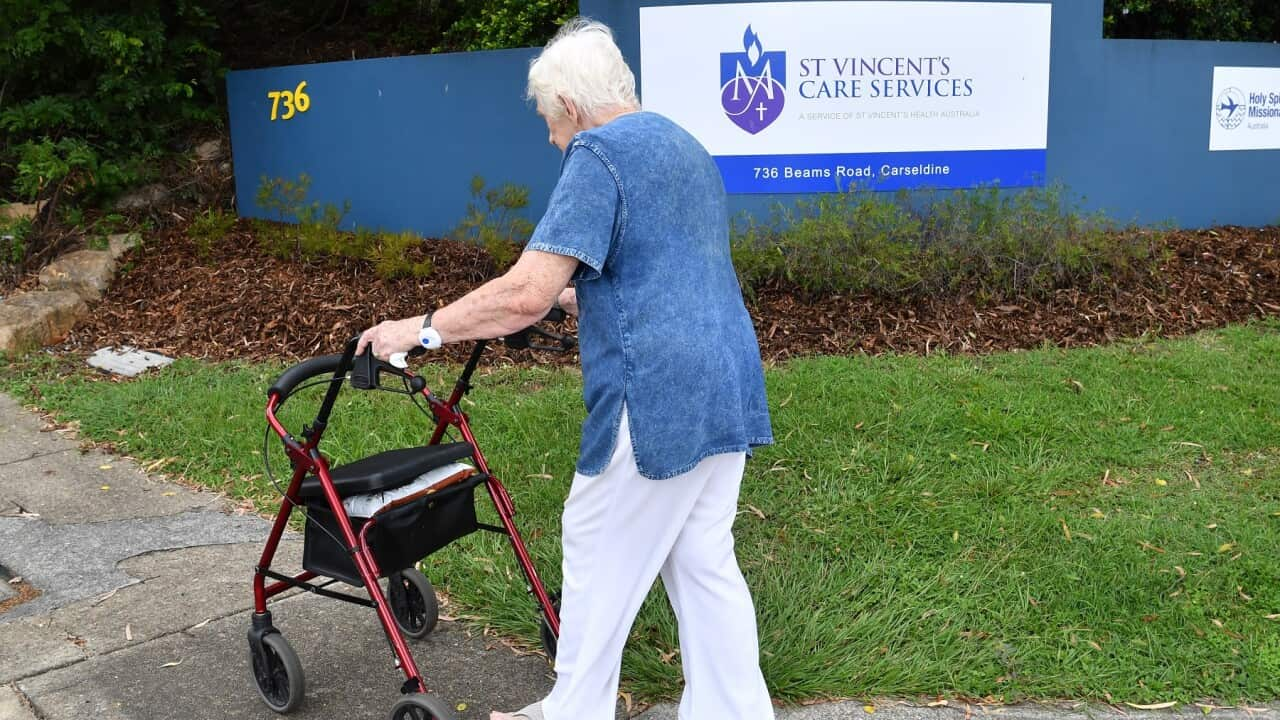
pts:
[584, 66]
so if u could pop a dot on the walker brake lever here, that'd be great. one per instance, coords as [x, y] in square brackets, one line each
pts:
[521, 340]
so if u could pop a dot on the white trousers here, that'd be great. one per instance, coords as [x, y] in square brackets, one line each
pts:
[621, 530]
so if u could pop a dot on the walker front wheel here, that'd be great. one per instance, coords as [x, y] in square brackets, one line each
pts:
[417, 706]
[277, 673]
[413, 603]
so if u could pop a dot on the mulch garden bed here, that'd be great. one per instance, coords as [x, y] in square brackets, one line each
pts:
[239, 302]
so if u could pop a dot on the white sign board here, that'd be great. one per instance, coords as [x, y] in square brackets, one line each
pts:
[814, 96]
[1246, 109]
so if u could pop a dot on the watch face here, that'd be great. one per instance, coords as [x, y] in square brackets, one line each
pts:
[429, 338]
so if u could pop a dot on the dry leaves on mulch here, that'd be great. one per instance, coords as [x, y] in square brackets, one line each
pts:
[241, 303]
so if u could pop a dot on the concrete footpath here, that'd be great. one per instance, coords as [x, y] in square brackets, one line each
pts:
[134, 599]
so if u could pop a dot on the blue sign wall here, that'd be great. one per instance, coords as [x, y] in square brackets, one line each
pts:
[400, 138]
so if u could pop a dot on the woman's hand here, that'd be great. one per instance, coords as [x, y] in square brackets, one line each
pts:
[391, 336]
[568, 301]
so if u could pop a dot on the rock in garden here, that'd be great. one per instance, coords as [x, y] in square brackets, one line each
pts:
[122, 243]
[19, 211]
[143, 197]
[127, 361]
[42, 317]
[209, 150]
[85, 272]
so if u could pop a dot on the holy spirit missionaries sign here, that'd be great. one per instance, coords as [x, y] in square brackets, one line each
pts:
[801, 97]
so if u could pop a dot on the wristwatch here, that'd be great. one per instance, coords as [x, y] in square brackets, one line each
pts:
[428, 335]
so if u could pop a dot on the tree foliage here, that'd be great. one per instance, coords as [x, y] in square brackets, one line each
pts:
[89, 90]
[86, 87]
[1240, 20]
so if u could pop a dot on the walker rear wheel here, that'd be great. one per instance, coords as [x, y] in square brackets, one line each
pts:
[417, 706]
[413, 602]
[279, 679]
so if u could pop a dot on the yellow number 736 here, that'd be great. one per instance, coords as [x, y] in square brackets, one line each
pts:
[295, 101]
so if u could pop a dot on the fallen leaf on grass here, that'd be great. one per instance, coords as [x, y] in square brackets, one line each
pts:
[1272, 616]
[756, 511]
[171, 664]
[1148, 546]
[1225, 547]
[1156, 706]
[152, 467]
[1065, 530]
[626, 700]
[938, 703]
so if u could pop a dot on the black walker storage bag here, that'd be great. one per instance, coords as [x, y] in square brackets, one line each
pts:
[402, 534]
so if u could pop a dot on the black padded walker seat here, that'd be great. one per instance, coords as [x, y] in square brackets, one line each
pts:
[385, 470]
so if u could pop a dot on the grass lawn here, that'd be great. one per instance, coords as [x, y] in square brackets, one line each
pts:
[1089, 524]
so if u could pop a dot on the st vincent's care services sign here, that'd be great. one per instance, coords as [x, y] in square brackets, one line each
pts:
[804, 97]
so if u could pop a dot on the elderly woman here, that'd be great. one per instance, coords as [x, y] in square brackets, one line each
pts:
[672, 381]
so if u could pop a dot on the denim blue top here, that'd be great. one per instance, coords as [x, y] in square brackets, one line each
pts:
[661, 323]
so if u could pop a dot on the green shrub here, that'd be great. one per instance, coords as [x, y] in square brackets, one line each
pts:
[91, 89]
[208, 228]
[317, 233]
[493, 221]
[494, 24]
[13, 242]
[392, 256]
[983, 243]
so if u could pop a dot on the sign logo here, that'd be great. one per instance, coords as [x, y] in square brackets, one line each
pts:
[1230, 108]
[753, 84]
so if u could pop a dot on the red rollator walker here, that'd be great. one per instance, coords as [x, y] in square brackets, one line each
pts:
[411, 502]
